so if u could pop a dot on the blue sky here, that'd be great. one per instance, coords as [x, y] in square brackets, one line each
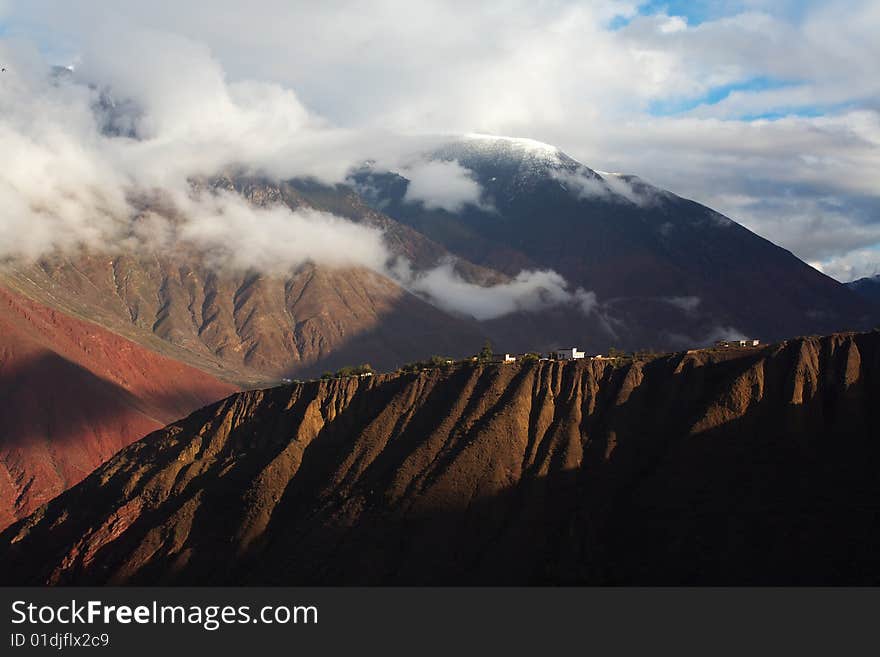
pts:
[695, 12]
[699, 11]
[673, 106]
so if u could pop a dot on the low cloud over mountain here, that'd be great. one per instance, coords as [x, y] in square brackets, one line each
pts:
[90, 144]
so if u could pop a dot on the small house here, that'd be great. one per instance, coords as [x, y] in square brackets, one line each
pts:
[747, 342]
[503, 358]
[568, 354]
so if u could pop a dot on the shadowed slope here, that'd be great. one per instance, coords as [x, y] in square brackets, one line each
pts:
[868, 288]
[72, 394]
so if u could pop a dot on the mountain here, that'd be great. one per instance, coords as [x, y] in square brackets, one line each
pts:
[245, 326]
[255, 328]
[72, 394]
[100, 348]
[723, 466]
[868, 287]
[669, 272]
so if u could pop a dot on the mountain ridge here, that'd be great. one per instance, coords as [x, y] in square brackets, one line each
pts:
[721, 466]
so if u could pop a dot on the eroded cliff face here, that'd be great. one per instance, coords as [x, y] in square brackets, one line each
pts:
[715, 467]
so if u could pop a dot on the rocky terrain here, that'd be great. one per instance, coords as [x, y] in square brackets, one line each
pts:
[72, 394]
[753, 466]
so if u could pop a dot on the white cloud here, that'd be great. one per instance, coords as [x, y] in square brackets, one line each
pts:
[633, 189]
[274, 239]
[852, 265]
[707, 338]
[441, 185]
[614, 187]
[529, 291]
[688, 304]
[583, 186]
[57, 185]
[70, 183]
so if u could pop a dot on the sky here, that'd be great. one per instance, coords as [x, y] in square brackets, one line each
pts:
[766, 111]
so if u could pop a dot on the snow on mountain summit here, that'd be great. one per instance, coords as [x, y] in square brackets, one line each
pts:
[494, 148]
[532, 146]
[525, 164]
[520, 162]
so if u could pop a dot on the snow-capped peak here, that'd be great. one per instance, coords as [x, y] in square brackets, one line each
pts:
[531, 145]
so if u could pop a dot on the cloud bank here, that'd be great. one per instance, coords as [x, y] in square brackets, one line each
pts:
[274, 239]
[104, 157]
[529, 291]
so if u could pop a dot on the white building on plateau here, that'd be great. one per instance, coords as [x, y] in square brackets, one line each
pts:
[748, 342]
[569, 354]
